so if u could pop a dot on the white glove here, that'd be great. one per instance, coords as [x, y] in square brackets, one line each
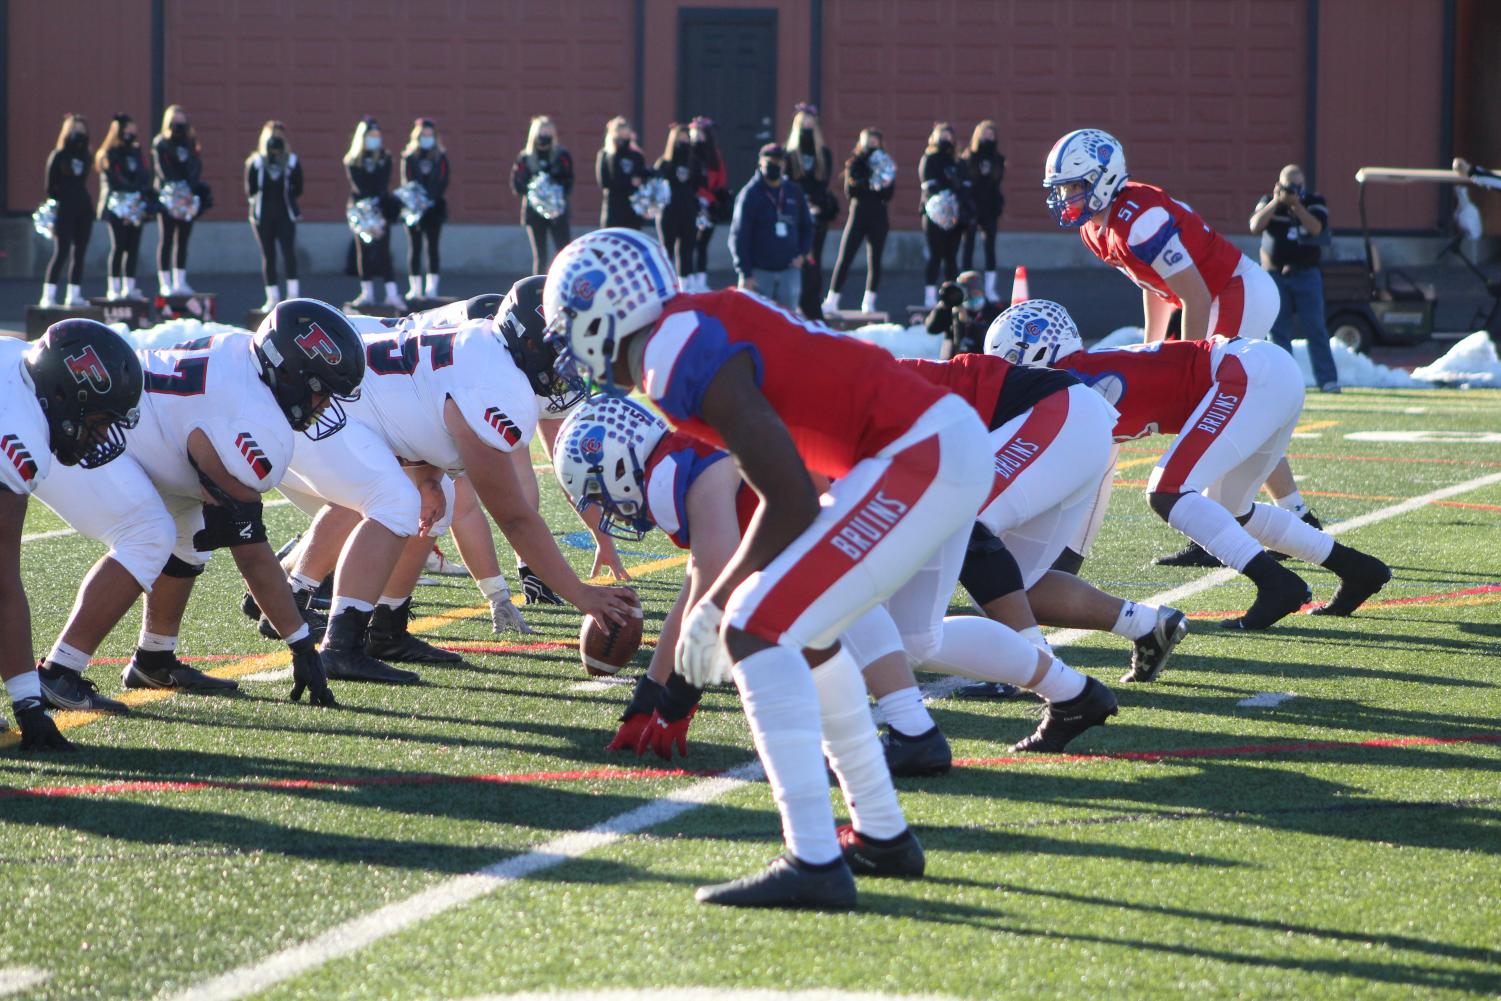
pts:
[505, 616]
[700, 656]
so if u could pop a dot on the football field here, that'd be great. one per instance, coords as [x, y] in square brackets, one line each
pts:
[1310, 812]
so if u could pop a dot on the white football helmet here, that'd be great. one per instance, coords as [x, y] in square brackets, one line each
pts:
[600, 458]
[601, 288]
[1034, 333]
[1087, 156]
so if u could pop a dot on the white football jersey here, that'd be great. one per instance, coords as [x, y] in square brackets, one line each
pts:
[211, 384]
[25, 442]
[410, 373]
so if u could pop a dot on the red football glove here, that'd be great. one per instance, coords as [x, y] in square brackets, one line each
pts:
[662, 735]
[637, 714]
[632, 729]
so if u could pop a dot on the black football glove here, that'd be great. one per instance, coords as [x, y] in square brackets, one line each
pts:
[307, 672]
[537, 592]
[38, 731]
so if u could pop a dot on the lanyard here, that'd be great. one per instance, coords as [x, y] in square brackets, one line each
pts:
[776, 201]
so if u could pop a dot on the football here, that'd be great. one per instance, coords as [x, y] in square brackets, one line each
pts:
[606, 652]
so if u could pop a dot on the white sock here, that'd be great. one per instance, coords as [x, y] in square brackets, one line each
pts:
[390, 602]
[164, 281]
[75, 294]
[1033, 635]
[414, 287]
[302, 582]
[156, 641]
[66, 656]
[393, 294]
[340, 603]
[294, 288]
[367, 291]
[1134, 620]
[273, 296]
[130, 284]
[491, 586]
[905, 712]
[930, 296]
[1212, 527]
[112, 288]
[179, 277]
[26, 685]
[1280, 529]
[979, 648]
[49, 294]
[1060, 683]
[431, 287]
[854, 750]
[868, 303]
[1293, 502]
[781, 704]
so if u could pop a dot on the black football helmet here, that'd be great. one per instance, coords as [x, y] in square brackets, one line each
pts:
[484, 306]
[520, 325]
[307, 348]
[83, 371]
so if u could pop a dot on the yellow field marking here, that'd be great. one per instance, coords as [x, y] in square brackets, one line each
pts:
[69, 720]
[1314, 426]
[1143, 461]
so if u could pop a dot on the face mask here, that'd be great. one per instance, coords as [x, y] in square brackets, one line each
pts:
[544, 142]
[987, 145]
[621, 143]
[372, 143]
[426, 142]
[945, 145]
[130, 139]
[78, 139]
[679, 150]
[772, 171]
[805, 138]
[275, 145]
[179, 130]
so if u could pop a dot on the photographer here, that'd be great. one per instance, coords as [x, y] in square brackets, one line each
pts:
[962, 315]
[1294, 226]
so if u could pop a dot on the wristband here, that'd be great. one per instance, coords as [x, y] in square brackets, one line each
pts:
[298, 635]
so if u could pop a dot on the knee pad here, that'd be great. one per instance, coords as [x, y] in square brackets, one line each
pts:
[181, 569]
[989, 571]
[1069, 562]
[1162, 503]
[922, 645]
[142, 546]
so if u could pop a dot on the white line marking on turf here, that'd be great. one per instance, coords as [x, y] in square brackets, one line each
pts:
[718, 993]
[58, 533]
[1266, 700]
[275, 674]
[600, 684]
[15, 979]
[357, 933]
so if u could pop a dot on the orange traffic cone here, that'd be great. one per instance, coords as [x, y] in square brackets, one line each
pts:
[1019, 291]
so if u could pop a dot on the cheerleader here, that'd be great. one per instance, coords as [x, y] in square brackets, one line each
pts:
[713, 198]
[869, 223]
[425, 162]
[176, 156]
[368, 166]
[620, 168]
[67, 185]
[543, 155]
[986, 168]
[941, 171]
[810, 164]
[677, 226]
[122, 169]
[273, 184]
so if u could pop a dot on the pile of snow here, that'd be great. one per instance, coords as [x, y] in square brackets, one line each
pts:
[904, 342]
[165, 335]
[1471, 363]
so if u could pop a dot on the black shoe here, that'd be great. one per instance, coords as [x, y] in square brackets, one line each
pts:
[389, 638]
[1310, 519]
[162, 669]
[1360, 576]
[323, 597]
[1063, 721]
[250, 608]
[64, 688]
[901, 856]
[317, 622]
[1150, 653]
[344, 656]
[1192, 555]
[537, 593]
[786, 882]
[913, 757]
[992, 691]
[1279, 593]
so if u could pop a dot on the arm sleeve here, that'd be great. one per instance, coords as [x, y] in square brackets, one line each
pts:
[740, 235]
[520, 175]
[932, 177]
[353, 173]
[54, 161]
[565, 171]
[294, 180]
[161, 164]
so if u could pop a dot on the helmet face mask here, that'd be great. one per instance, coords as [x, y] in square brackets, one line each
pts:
[313, 361]
[600, 458]
[519, 324]
[88, 382]
[1091, 159]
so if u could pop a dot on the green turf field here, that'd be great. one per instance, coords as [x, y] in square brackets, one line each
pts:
[1343, 842]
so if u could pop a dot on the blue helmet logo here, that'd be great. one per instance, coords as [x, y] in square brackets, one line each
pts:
[1034, 328]
[592, 443]
[585, 287]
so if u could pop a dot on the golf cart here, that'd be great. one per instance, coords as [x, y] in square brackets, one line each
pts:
[1366, 304]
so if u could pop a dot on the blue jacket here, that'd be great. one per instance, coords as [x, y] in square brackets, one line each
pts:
[754, 243]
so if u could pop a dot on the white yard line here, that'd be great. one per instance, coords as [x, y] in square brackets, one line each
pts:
[15, 979]
[1266, 700]
[58, 533]
[357, 933]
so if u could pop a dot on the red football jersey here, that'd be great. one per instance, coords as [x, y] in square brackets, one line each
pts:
[975, 378]
[843, 400]
[1155, 387]
[1150, 236]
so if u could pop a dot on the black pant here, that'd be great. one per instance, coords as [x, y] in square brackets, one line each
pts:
[987, 225]
[869, 226]
[125, 245]
[172, 248]
[701, 249]
[677, 228]
[429, 228]
[70, 236]
[624, 216]
[943, 251]
[271, 232]
[811, 299]
[537, 230]
[373, 259]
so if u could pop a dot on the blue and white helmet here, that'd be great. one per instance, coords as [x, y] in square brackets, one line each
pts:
[1089, 156]
[601, 288]
[600, 458]
[1035, 333]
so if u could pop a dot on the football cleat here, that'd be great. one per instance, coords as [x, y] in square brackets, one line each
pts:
[390, 639]
[901, 856]
[787, 882]
[1360, 576]
[914, 757]
[993, 691]
[64, 688]
[344, 656]
[1149, 653]
[442, 566]
[1191, 555]
[162, 669]
[1279, 593]
[1063, 721]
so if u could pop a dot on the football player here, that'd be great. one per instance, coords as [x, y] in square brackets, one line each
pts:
[1175, 258]
[1233, 404]
[438, 400]
[218, 419]
[909, 465]
[71, 395]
